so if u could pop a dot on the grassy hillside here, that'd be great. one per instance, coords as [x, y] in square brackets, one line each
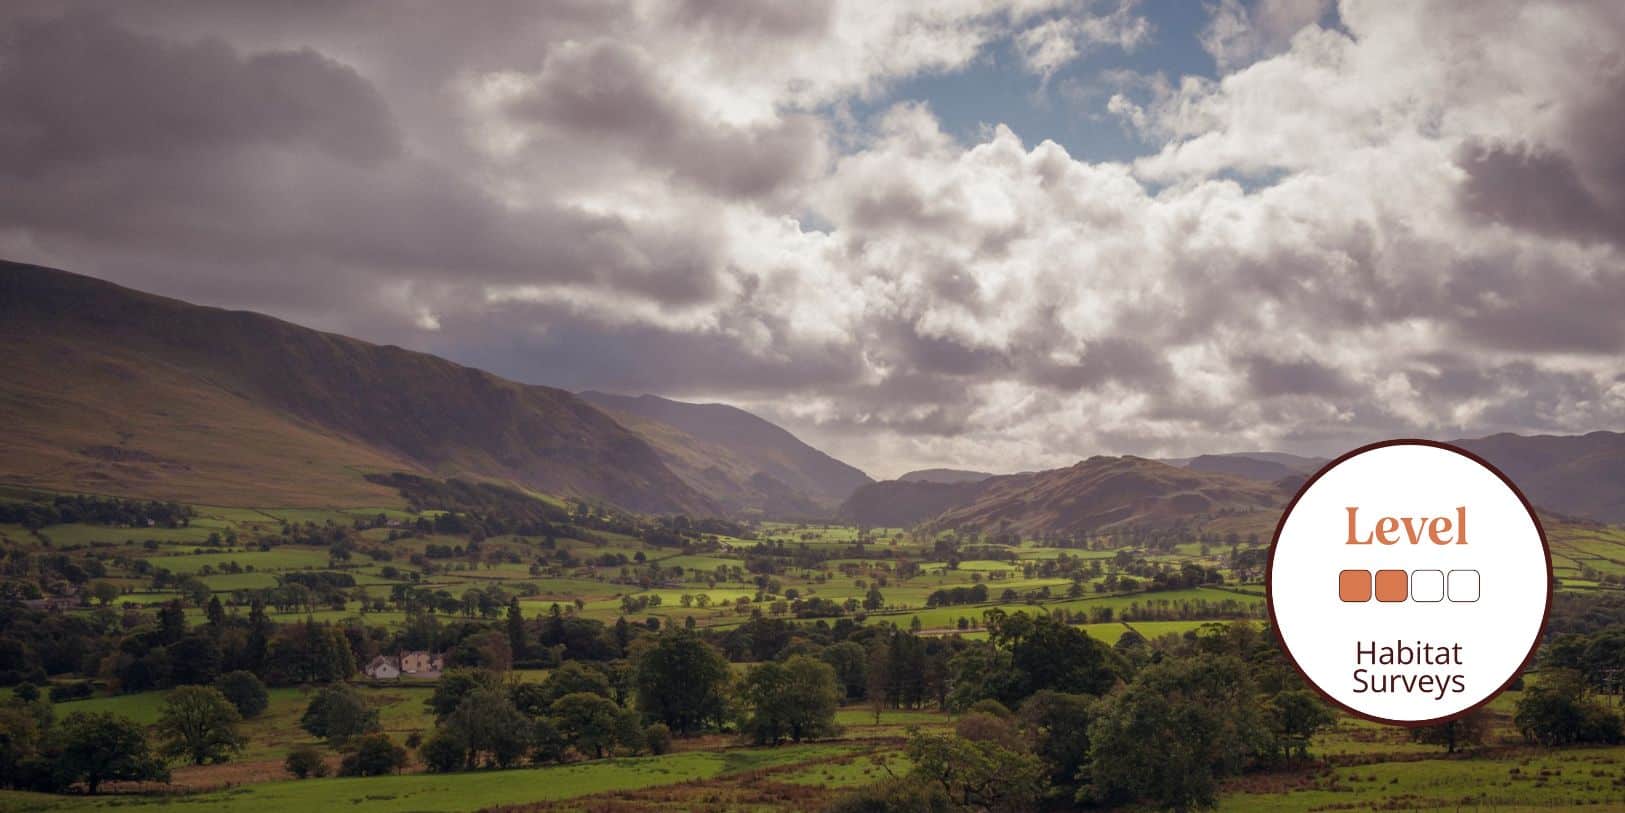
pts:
[1578, 475]
[745, 463]
[111, 390]
[905, 503]
[1101, 492]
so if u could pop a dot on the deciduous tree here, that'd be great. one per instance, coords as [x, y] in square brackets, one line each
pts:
[102, 747]
[199, 724]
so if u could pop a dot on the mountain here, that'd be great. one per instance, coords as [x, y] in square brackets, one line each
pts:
[944, 476]
[1107, 491]
[746, 464]
[1096, 493]
[905, 503]
[1267, 466]
[1251, 468]
[110, 390]
[1575, 475]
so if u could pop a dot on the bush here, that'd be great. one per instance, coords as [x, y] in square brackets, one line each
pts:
[305, 761]
[983, 727]
[245, 691]
[990, 706]
[905, 795]
[78, 690]
[1558, 712]
[444, 752]
[657, 738]
[372, 755]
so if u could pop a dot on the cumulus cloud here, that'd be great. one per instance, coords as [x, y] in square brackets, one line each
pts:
[1236, 34]
[1051, 44]
[1387, 219]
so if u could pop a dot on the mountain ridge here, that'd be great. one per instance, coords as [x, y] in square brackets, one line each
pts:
[1093, 494]
[940, 475]
[109, 387]
[743, 461]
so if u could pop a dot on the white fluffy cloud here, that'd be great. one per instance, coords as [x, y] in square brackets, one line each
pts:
[1407, 222]
[1052, 43]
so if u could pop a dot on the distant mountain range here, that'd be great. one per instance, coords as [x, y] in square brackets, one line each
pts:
[944, 476]
[1581, 476]
[747, 465]
[1269, 466]
[105, 389]
[1575, 475]
[1098, 493]
[108, 390]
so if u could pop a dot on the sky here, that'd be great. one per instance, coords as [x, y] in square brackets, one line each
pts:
[991, 235]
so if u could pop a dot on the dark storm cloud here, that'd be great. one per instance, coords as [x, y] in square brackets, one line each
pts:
[1113, 359]
[609, 90]
[1502, 304]
[773, 18]
[231, 161]
[81, 90]
[1535, 188]
[1572, 184]
[1270, 377]
[556, 345]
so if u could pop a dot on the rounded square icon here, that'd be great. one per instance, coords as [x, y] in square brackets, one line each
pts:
[1427, 585]
[1463, 585]
[1354, 585]
[1391, 585]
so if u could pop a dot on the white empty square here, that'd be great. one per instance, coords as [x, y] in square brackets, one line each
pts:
[1428, 585]
[1463, 585]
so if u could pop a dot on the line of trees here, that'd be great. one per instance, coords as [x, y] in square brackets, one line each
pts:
[1103, 726]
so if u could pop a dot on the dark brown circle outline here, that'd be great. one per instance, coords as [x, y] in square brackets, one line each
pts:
[1269, 580]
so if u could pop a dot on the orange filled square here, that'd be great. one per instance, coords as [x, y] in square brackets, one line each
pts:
[1354, 585]
[1391, 585]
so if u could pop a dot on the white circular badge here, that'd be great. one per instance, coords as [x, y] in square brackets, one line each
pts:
[1409, 582]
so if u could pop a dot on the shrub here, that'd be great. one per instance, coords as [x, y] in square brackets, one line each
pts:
[372, 755]
[305, 761]
[893, 796]
[1558, 712]
[77, 690]
[990, 706]
[657, 738]
[444, 752]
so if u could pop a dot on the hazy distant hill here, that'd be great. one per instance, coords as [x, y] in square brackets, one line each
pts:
[905, 503]
[1577, 475]
[944, 476]
[1241, 466]
[745, 463]
[107, 389]
[1106, 491]
[1267, 466]
[1096, 493]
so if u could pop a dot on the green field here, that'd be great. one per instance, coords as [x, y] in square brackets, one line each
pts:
[451, 792]
[1537, 780]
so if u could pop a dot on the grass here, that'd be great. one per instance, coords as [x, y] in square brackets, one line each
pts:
[1543, 780]
[850, 772]
[452, 792]
[284, 558]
